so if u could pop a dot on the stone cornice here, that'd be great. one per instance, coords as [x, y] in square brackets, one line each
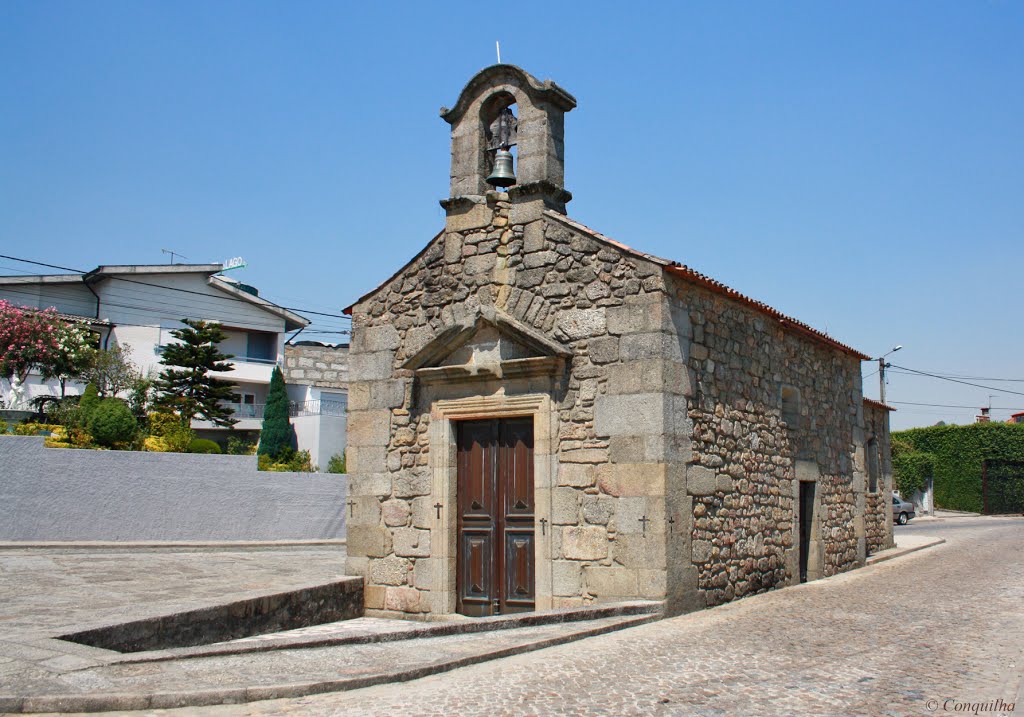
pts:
[495, 75]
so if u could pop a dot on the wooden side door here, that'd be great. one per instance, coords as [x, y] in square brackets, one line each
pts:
[515, 483]
[495, 565]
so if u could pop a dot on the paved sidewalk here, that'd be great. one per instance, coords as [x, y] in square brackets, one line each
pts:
[47, 593]
[44, 590]
[906, 543]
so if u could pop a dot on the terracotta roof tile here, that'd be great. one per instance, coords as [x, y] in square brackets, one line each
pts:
[690, 274]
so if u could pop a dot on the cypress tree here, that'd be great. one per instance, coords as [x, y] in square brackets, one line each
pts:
[277, 435]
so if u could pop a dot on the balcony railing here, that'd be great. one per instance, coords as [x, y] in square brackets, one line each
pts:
[295, 409]
[160, 348]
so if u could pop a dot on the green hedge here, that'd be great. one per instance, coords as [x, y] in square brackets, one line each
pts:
[911, 468]
[957, 452]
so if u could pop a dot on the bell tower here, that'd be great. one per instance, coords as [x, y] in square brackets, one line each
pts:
[508, 132]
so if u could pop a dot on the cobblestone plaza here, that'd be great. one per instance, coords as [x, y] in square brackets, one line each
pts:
[891, 639]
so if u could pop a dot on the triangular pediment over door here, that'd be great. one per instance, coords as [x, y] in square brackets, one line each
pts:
[491, 344]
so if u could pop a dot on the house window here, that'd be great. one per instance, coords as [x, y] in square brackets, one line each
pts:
[791, 405]
[873, 465]
[262, 347]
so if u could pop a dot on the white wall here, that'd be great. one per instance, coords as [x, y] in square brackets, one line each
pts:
[71, 298]
[66, 494]
[159, 303]
[322, 436]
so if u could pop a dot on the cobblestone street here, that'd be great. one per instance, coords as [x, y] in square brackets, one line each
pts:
[942, 624]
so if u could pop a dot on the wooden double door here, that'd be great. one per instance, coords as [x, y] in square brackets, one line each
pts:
[495, 573]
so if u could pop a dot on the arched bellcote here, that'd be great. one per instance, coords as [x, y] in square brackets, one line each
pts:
[505, 107]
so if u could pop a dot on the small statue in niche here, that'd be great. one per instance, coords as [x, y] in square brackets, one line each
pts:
[502, 132]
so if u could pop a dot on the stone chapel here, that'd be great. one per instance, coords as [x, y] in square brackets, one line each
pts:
[542, 417]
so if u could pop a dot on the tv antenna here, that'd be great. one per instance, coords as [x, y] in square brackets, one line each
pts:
[173, 254]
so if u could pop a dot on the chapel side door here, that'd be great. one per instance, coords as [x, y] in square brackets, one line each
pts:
[495, 565]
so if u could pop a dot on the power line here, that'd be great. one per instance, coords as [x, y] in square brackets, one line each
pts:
[966, 383]
[953, 405]
[160, 318]
[977, 378]
[169, 288]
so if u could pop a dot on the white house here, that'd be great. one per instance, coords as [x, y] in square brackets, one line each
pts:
[137, 306]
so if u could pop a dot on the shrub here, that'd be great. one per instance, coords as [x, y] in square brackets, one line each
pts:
[155, 444]
[36, 429]
[87, 404]
[240, 446]
[336, 464]
[173, 434]
[160, 424]
[290, 461]
[65, 412]
[203, 445]
[112, 422]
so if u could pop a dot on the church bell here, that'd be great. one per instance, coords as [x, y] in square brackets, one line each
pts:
[503, 174]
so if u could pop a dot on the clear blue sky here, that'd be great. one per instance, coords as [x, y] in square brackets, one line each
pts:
[858, 165]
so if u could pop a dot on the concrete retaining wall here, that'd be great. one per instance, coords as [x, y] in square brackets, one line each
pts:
[54, 494]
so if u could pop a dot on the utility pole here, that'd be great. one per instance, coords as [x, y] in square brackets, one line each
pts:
[882, 365]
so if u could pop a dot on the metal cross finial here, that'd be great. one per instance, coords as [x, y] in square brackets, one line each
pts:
[543, 524]
[437, 507]
[644, 521]
[671, 524]
[351, 508]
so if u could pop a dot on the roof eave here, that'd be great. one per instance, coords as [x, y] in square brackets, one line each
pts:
[292, 321]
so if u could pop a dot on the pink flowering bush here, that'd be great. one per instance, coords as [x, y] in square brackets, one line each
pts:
[33, 339]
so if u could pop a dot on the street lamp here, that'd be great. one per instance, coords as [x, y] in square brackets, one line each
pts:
[882, 365]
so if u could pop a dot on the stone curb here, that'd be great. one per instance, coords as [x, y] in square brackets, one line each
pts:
[171, 544]
[900, 552]
[199, 698]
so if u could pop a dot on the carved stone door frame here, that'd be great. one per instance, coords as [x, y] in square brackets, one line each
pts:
[444, 469]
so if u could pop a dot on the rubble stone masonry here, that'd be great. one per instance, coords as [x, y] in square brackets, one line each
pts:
[671, 410]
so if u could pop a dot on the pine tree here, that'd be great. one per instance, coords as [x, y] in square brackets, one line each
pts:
[186, 386]
[278, 434]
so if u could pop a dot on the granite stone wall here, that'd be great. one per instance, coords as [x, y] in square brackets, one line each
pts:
[878, 504]
[316, 365]
[609, 308]
[678, 460]
[745, 447]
